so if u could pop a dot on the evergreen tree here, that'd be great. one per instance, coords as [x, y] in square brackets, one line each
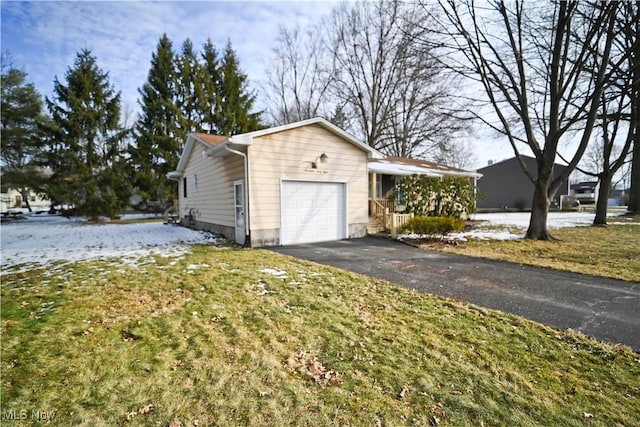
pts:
[20, 118]
[84, 146]
[210, 81]
[235, 102]
[158, 137]
[189, 88]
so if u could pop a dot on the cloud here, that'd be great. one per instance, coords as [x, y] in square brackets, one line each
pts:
[44, 37]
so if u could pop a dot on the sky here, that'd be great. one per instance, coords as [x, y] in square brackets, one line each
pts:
[43, 38]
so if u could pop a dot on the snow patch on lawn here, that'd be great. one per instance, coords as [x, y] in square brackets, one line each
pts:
[274, 272]
[500, 226]
[521, 219]
[41, 240]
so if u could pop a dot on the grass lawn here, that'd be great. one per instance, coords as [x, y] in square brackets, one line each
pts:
[612, 251]
[248, 337]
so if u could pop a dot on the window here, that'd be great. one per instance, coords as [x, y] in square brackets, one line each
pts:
[399, 192]
[184, 187]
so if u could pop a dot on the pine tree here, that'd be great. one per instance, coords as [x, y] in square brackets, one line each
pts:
[21, 140]
[189, 88]
[158, 137]
[210, 81]
[84, 145]
[235, 102]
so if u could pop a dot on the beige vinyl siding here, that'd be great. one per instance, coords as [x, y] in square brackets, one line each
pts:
[212, 200]
[288, 155]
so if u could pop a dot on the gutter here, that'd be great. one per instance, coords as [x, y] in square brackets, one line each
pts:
[247, 222]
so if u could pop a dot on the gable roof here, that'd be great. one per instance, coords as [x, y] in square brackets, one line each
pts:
[527, 159]
[401, 166]
[217, 143]
[247, 138]
[210, 139]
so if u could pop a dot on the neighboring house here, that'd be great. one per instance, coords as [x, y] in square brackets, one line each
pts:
[504, 185]
[297, 183]
[10, 199]
[585, 192]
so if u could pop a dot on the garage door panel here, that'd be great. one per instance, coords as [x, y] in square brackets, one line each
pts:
[312, 212]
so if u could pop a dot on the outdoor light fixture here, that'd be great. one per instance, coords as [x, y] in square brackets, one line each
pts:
[322, 158]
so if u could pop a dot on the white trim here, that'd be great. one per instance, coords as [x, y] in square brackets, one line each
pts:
[241, 183]
[345, 186]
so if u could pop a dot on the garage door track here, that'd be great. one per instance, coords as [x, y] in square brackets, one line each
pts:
[606, 309]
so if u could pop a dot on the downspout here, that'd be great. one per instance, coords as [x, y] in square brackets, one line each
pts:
[247, 223]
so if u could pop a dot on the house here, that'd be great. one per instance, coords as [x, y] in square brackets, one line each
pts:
[298, 183]
[504, 185]
[585, 192]
[11, 199]
[303, 182]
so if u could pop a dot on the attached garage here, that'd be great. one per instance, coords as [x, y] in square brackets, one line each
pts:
[298, 183]
[313, 212]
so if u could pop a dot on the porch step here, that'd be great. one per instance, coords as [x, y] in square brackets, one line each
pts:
[374, 226]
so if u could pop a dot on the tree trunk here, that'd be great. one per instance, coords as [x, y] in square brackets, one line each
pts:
[634, 191]
[25, 198]
[603, 199]
[539, 212]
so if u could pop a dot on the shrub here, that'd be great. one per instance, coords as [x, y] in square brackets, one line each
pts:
[427, 196]
[433, 225]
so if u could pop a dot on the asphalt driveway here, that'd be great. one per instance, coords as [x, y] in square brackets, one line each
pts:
[606, 309]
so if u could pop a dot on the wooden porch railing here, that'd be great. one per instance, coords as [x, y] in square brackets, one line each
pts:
[379, 210]
[396, 221]
[383, 211]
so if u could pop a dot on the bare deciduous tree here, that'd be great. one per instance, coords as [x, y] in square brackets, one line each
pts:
[632, 34]
[298, 76]
[396, 91]
[613, 130]
[530, 62]
[362, 68]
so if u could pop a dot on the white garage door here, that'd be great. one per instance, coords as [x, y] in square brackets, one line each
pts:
[312, 212]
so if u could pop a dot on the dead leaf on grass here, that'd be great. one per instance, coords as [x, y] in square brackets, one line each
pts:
[316, 370]
[587, 415]
[24, 304]
[175, 423]
[146, 409]
[403, 392]
[88, 331]
[128, 336]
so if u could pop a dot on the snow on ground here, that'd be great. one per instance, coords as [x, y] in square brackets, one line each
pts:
[500, 226]
[521, 219]
[40, 240]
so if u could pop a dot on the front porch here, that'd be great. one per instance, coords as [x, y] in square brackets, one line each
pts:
[386, 211]
[385, 215]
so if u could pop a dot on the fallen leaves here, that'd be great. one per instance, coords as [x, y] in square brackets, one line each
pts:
[311, 366]
[146, 409]
[143, 410]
